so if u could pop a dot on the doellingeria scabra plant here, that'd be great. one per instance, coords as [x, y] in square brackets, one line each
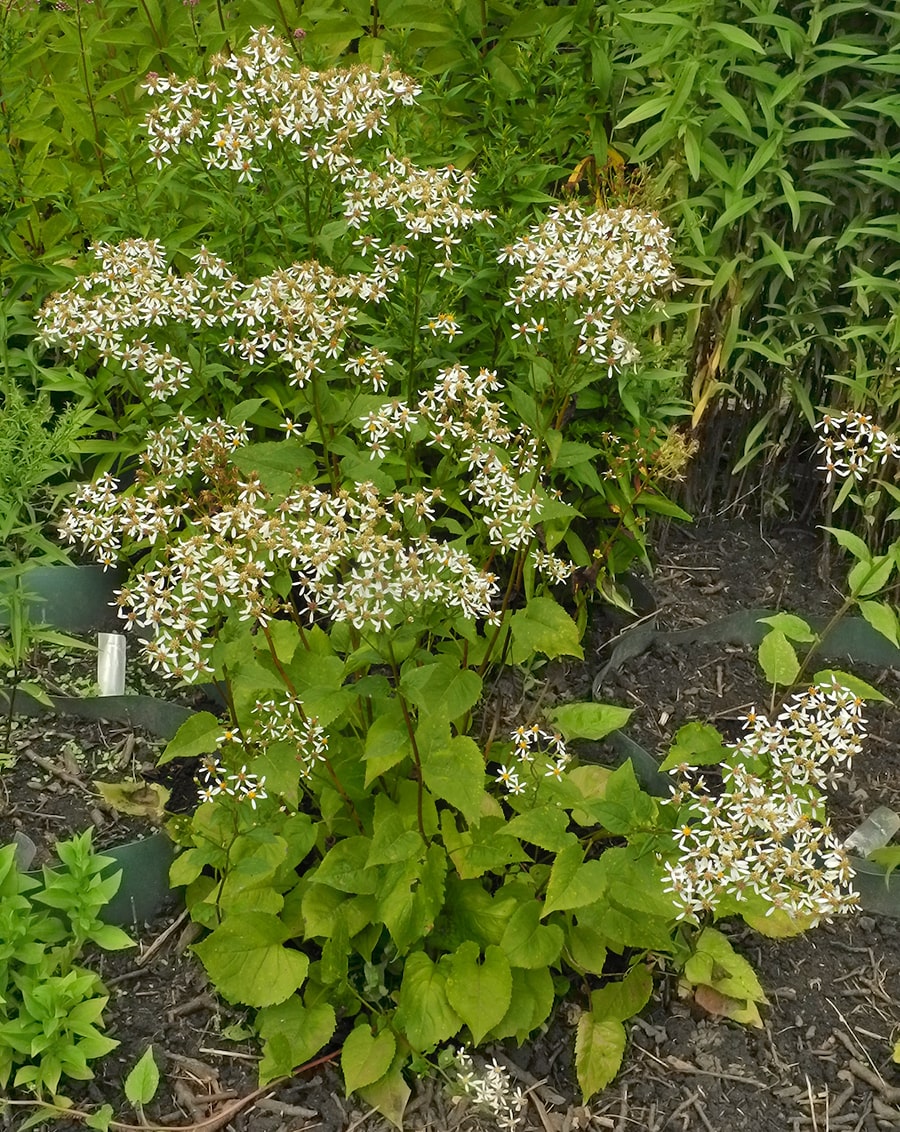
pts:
[388, 854]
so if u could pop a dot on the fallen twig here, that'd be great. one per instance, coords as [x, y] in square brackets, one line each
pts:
[160, 940]
[57, 771]
[890, 1093]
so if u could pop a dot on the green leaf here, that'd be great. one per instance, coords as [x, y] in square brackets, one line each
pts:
[828, 676]
[648, 108]
[45, 1112]
[410, 896]
[544, 826]
[101, 1119]
[472, 913]
[888, 856]
[851, 542]
[366, 1057]
[737, 37]
[292, 1034]
[738, 209]
[198, 735]
[482, 848]
[479, 993]
[882, 617]
[532, 1000]
[794, 628]
[624, 805]
[344, 867]
[246, 959]
[255, 859]
[621, 1001]
[442, 689]
[589, 720]
[573, 452]
[573, 883]
[778, 659]
[111, 938]
[285, 639]
[279, 463]
[599, 1049]
[455, 773]
[866, 579]
[143, 1081]
[390, 1094]
[697, 744]
[387, 742]
[393, 839]
[30, 688]
[587, 947]
[543, 626]
[318, 682]
[424, 1013]
[529, 943]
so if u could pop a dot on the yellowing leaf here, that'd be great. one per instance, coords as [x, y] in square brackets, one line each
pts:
[778, 924]
[599, 1048]
[739, 1010]
[139, 799]
[734, 975]
[591, 782]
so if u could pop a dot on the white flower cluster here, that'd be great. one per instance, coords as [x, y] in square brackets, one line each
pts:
[527, 743]
[765, 832]
[555, 568]
[491, 1089]
[427, 202]
[101, 519]
[299, 314]
[139, 312]
[851, 444]
[283, 720]
[358, 556]
[263, 99]
[215, 780]
[610, 262]
[465, 420]
[370, 364]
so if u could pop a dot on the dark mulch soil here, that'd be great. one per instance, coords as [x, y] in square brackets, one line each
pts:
[822, 1060]
[47, 794]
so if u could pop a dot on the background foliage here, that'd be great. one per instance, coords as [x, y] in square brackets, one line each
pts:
[764, 134]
